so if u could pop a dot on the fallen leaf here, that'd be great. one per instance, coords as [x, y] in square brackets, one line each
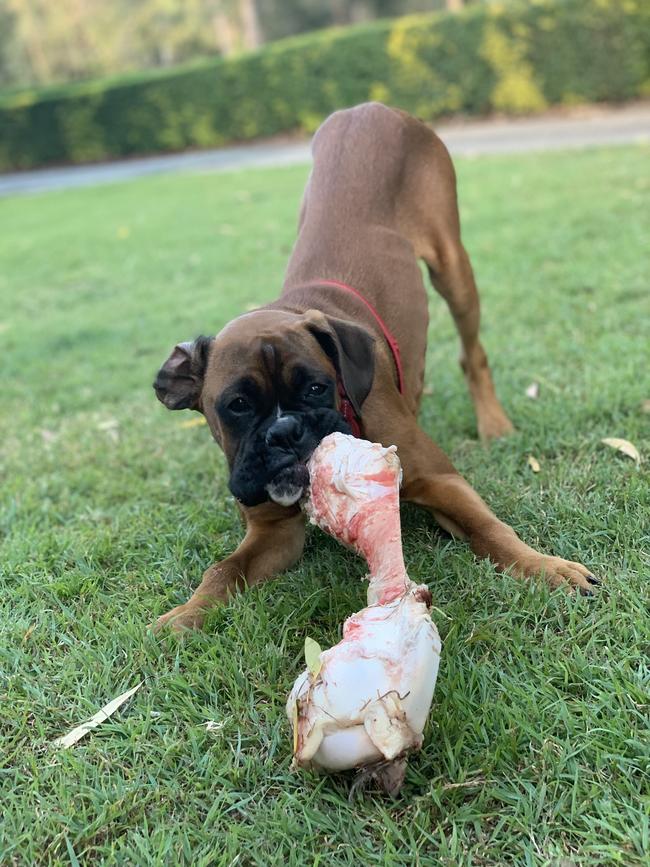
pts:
[29, 632]
[312, 657]
[111, 427]
[194, 422]
[101, 716]
[109, 424]
[533, 463]
[533, 391]
[625, 447]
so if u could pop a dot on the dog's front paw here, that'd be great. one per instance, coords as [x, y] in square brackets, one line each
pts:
[563, 573]
[181, 618]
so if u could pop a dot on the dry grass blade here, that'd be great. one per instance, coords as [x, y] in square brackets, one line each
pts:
[625, 447]
[296, 731]
[101, 716]
[468, 784]
[193, 422]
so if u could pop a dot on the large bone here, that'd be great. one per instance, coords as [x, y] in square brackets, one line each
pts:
[369, 700]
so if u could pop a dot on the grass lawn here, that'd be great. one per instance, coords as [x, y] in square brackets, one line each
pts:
[537, 748]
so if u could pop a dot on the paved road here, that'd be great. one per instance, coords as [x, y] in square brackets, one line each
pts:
[582, 128]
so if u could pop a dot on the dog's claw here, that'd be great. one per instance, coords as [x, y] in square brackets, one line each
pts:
[563, 573]
[180, 619]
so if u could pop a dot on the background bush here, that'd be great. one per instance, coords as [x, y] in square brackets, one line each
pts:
[516, 58]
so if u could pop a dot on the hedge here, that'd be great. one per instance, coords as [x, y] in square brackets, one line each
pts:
[516, 58]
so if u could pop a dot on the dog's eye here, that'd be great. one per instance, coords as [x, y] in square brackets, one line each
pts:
[316, 389]
[239, 406]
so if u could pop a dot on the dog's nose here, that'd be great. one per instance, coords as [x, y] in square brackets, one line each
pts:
[285, 433]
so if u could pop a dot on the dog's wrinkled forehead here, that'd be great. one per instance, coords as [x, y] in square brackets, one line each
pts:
[263, 344]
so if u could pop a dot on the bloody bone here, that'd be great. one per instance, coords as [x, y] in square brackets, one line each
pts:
[369, 700]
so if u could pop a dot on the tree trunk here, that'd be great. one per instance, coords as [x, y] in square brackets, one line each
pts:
[225, 33]
[251, 30]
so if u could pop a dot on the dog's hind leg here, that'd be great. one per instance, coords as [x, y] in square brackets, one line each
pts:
[429, 217]
[451, 274]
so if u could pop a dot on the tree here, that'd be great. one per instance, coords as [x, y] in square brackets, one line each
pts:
[43, 41]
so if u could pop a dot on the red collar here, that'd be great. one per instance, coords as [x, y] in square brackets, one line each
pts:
[347, 410]
[345, 406]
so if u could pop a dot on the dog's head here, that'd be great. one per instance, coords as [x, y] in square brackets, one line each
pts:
[267, 385]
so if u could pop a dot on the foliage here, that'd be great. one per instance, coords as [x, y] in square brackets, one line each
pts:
[70, 39]
[515, 58]
[42, 42]
[110, 508]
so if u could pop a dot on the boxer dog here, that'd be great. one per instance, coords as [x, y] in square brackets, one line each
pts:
[343, 349]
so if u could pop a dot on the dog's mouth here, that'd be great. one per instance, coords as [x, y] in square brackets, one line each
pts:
[289, 485]
[274, 467]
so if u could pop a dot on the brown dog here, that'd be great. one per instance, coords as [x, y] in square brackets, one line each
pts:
[272, 383]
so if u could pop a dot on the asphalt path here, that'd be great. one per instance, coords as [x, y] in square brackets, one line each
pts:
[585, 127]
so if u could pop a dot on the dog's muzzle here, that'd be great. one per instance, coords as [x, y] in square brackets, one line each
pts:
[289, 485]
[298, 435]
[288, 433]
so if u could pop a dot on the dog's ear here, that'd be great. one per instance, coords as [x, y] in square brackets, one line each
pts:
[180, 380]
[352, 349]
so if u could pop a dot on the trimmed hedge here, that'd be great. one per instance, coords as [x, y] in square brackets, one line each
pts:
[515, 58]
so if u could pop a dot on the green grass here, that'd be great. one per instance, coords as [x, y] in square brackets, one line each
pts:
[537, 748]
